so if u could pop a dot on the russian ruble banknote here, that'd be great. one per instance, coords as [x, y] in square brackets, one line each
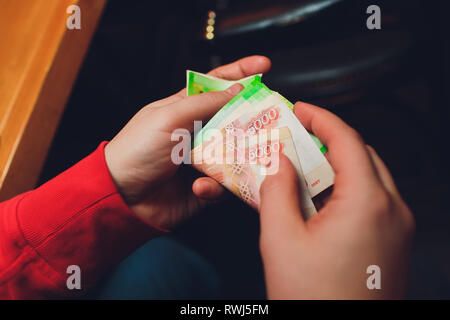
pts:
[197, 83]
[236, 145]
[241, 163]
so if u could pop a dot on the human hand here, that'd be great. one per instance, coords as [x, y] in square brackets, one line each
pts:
[364, 222]
[139, 156]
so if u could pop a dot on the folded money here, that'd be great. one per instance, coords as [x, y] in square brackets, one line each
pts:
[236, 145]
[244, 175]
[197, 83]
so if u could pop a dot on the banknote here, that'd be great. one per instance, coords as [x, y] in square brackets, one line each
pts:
[260, 108]
[242, 162]
[272, 112]
[249, 96]
[248, 117]
[197, 82]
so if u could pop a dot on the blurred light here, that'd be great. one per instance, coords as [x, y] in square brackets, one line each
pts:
[211, 14]
[210, 26]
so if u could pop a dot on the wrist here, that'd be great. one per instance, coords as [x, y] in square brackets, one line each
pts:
[116, 172]
[150, 214]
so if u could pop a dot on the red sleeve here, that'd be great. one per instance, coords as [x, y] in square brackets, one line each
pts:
[77, 218]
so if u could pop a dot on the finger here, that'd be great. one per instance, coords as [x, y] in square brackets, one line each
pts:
[279, 207]
[242, 68]
[347, 152]
[207, 188]
[171, 99]
[200, 107]
[383, 172]
[234, 71]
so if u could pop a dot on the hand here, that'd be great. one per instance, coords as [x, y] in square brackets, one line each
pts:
[139, 157]
[365, 222]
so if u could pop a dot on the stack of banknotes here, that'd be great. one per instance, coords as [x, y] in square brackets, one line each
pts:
[239, 146]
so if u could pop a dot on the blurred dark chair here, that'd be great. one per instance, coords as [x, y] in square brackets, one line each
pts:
[321, 50]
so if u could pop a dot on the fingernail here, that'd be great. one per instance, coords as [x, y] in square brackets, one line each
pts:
[235, 89]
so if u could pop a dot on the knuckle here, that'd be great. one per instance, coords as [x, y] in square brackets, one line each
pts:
[264, 242]
[355, 134]
[411, 225]
[410, 222]
[370, 148]
[210, 97]
[269, 185]
[380, 210]
[383, 203]
[215, 97]
[145, 110]
[297, 104]
[162, 121]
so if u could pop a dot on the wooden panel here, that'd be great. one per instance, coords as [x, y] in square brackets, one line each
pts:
[39, 61]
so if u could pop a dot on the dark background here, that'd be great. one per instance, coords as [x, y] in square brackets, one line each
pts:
[141, 50]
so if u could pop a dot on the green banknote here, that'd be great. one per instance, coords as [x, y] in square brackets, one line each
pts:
[197, 83]
[235, 147]
[254, 90]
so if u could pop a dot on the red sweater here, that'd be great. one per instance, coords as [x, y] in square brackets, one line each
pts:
[77, 218]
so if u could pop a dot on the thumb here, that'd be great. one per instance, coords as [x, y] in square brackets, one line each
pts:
[200, 107]
[279, 207]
